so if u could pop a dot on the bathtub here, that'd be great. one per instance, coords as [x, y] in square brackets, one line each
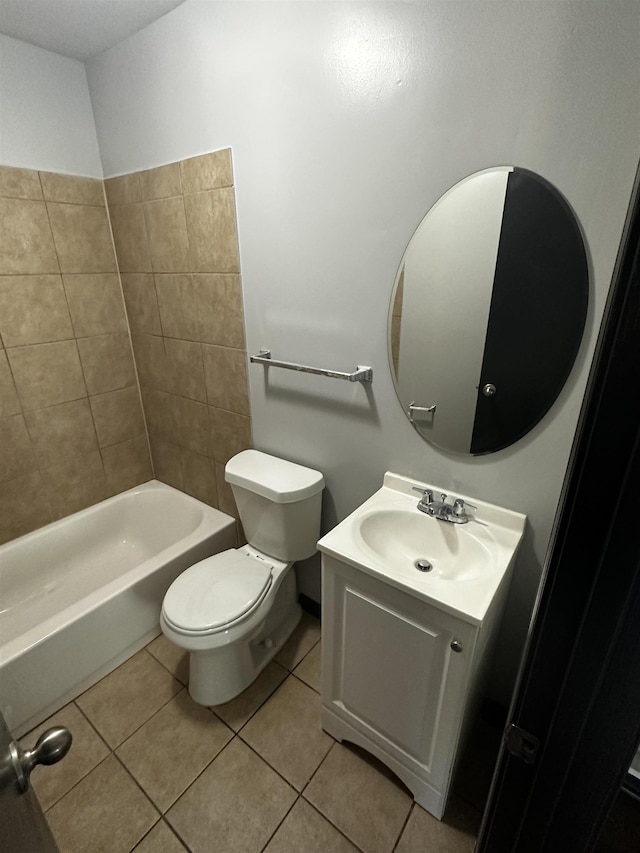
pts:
[81, 595]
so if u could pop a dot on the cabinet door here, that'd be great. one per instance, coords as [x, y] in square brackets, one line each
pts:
[391, 671]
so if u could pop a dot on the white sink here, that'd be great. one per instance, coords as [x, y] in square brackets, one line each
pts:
[459, 567]
[409, 540]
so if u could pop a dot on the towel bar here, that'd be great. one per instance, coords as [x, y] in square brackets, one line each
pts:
[361, 374]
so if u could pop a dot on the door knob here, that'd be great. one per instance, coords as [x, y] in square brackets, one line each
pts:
[50, 747]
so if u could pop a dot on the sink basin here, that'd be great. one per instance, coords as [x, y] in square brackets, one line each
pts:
[412, 542]
[459, 567]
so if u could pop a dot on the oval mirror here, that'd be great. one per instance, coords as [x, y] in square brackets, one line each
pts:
[488, 310]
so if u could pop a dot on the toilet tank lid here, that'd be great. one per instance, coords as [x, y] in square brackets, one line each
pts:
[276, 479]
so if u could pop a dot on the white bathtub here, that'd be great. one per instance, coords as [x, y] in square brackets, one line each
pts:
[81, 595]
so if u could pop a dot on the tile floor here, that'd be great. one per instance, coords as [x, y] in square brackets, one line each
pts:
[152, 772]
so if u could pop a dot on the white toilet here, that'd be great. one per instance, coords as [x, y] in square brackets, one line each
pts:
[233, 611]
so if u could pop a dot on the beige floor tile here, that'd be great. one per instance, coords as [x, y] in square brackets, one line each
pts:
[304, 829]
[87, 750]
[303, 639]
[236, 712]
[105, 813]
[167, 753]
[234, 806]
[309, 668]
[128, 697]
[455, 834]
[363, 802]
[160, 840]
[172, 657]
[287, 732]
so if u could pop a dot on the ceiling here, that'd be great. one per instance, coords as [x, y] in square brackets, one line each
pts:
[79, 28]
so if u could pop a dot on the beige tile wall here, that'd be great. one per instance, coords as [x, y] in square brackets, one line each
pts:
[176, 242]
[71, 426]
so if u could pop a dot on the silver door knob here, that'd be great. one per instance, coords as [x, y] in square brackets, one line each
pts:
[456, 646]
[50, 747]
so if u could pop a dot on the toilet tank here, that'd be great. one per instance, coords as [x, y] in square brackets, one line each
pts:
[278, 502]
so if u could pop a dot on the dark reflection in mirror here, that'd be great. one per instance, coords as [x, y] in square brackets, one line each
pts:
[488, 311]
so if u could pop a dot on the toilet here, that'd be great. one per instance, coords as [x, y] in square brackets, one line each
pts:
[232, 612]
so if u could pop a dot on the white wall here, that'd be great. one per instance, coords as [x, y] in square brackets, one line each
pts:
[347, 122]
[46, 121]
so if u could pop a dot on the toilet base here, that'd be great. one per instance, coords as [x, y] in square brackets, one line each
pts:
[219, 675]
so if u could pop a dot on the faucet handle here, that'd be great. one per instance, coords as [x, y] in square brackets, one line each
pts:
[460, 506]
[427, 494]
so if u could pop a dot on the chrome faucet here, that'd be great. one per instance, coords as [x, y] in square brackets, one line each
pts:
[456, 513]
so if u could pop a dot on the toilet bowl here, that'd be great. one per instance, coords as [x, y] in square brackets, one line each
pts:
[234, 610]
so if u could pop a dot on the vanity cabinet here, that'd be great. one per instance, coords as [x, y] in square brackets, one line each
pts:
[400, 677]
[410, 606]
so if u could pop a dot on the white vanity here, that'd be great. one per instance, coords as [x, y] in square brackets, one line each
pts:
[410, 604]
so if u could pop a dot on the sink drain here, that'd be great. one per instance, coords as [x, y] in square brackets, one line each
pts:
[423, 565]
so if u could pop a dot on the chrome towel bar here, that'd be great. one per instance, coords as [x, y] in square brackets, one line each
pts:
[362, 374]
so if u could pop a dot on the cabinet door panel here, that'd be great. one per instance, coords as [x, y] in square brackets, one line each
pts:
[393, 672]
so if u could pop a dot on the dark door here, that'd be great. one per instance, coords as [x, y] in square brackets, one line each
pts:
[579, 690]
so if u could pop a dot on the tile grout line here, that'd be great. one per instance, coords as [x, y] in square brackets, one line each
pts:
[263, 759]
[148, 832]
[90, 722]
[337, 828]
[329, 751]
[403, 827]
[306, 683]
[75, 784]
[172, 829]
[142, 790]
[162, 664]
[285, 816]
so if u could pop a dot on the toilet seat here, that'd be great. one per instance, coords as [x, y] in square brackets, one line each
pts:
[215, 593]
